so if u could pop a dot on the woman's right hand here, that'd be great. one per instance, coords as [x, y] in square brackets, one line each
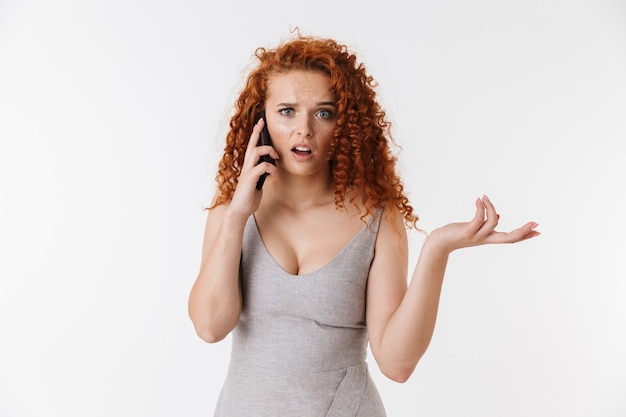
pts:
[215, 300]
[247, 198]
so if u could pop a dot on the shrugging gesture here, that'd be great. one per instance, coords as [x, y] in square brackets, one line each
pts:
[480, 230]
[308, 270]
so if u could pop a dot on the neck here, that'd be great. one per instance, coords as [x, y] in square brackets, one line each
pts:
[299, 193]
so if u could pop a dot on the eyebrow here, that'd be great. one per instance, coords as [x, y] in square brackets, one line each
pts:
[321, 103]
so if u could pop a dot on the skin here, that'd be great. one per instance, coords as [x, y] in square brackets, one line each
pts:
[297, 200]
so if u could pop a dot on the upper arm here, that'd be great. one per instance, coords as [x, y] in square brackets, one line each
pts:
[388, 279]
[215, 298]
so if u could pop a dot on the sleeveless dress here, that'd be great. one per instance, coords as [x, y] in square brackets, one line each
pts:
[300, 345]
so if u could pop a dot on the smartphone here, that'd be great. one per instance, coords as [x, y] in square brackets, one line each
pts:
[264, 139]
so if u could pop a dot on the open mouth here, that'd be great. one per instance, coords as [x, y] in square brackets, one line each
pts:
[301, 150]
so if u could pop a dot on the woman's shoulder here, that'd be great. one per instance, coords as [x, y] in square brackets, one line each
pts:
[392, 227]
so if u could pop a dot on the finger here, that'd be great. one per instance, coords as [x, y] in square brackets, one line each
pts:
[531, 228]
[525, 232]
[266, 168]
[479, 216]
[251, 176]
[266, 150]
[254, 139]
[532, 234]
[254, 152]
[492, 217]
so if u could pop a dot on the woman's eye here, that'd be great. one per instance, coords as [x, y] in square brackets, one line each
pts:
[325, 114]
[286, 112]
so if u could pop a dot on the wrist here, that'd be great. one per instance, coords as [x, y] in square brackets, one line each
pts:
[234, 219]
[436, 243]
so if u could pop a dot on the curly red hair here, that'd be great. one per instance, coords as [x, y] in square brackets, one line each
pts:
[360, 157]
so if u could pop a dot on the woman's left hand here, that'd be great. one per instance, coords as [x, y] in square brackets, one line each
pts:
[480, 230]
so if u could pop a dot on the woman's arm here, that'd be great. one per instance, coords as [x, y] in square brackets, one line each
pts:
[215, 298]
[401, 319]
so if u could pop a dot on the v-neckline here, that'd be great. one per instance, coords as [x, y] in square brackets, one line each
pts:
[315, 271]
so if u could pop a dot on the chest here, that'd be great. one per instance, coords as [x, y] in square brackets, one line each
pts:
[332, 294]
[301, 244]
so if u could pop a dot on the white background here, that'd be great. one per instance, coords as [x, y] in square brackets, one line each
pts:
[112, 117]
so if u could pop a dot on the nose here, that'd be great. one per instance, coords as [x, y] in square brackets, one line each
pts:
[305, 126]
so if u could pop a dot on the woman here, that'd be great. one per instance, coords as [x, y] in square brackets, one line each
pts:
[312, 267]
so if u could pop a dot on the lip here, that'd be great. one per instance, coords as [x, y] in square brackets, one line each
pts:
[301, 156]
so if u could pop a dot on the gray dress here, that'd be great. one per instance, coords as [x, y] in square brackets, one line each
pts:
[300, 346]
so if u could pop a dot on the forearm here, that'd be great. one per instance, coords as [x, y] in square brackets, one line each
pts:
[404, 321]
[409, 330]
[215, 299]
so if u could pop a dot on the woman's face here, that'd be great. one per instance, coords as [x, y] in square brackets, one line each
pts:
[301, 118]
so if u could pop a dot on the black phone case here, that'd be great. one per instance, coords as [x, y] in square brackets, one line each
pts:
[264, 139]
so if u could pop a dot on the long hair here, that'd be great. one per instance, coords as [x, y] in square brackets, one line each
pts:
[360, 157]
